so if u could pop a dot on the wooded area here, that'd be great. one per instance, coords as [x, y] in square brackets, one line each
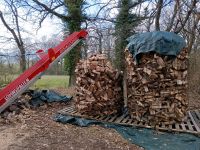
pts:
[109, 24]
[112, 82]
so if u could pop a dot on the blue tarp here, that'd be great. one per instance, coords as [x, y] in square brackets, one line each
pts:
[43, 96]
[146, 138]
[164, 43]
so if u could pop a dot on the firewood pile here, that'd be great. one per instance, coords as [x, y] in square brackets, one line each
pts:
[156, 87]
[98, 87]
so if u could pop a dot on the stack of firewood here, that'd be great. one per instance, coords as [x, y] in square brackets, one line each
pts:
[98, 87]
[156, 87]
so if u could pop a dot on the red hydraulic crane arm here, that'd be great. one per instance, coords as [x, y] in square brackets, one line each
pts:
[26, 79]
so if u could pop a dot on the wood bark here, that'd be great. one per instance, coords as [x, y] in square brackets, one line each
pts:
[157, 87]
[98, 87]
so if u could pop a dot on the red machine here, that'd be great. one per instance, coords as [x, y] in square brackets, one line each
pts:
[26, 79]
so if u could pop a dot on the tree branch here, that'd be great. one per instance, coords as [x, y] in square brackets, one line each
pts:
[136, 3]
[189, 12]
[10, 29]
[170, 25]
[102, 8]
[52, 10]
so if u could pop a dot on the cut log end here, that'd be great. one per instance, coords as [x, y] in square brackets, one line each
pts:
[157, 87]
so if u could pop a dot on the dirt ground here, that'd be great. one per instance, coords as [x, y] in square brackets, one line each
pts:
[35, 129]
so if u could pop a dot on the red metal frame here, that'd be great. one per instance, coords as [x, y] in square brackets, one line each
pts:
[40, 66]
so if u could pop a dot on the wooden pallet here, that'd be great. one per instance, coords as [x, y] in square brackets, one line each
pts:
[190, 125]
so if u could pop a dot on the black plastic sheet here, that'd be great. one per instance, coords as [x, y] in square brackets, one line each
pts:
[43, 96]
[146, 138]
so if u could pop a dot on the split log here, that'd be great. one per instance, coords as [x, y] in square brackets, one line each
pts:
[98, 87]
[157, 87]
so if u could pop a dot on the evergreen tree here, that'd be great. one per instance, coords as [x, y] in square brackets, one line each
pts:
[124, 27]
[72, 20]
[74, 9]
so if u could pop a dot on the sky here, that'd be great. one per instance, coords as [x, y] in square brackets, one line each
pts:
[50, 27]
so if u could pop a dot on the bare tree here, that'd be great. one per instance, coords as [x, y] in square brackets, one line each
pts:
[15, 31]
[178, 16]
[172, 19]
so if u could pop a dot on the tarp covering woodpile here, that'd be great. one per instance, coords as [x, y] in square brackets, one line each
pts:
[98, 87]
[161, 42]
[157, 78]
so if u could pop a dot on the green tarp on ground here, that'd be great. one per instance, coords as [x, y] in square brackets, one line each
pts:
[146, 138]
[164, 43]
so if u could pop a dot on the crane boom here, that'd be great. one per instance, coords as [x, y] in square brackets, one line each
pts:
[27, 78]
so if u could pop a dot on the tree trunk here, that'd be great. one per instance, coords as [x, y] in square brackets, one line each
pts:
[124, 28]
[171, 22]
[74, 24]
[157, 20]
[28, 62]
[100, 45]
[22, 59]
[72, 77]
[85, 51]
[193, 31]
[72, 80]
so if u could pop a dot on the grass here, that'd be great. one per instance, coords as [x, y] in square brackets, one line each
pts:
[51, 82]
[46, 81]
[6, 79]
